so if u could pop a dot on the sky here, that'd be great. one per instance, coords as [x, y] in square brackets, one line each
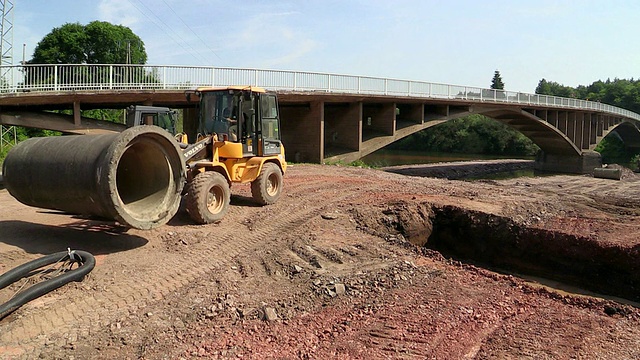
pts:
[460, 42]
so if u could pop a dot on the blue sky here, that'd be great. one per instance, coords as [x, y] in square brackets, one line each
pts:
[449, 41]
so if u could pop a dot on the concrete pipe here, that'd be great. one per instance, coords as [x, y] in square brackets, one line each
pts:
[607, 173]
[134, 177]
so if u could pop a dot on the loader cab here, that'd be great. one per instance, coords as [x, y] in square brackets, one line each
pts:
[245, 115]
[152, 115]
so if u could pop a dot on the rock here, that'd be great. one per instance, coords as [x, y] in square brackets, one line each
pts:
[329, 216]
[179, 324]
[297, 269]
[270, 314]
[340, 289]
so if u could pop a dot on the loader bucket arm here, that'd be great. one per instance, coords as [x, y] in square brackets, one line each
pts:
[197, 150]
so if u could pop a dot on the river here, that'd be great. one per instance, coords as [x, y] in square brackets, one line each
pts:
[383, 158]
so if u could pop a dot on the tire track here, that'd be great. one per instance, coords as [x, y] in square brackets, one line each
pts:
[216, 251]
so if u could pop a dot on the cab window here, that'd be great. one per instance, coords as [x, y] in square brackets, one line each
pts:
[269, 109]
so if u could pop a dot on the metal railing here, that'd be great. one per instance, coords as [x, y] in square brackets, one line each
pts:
[68, 77]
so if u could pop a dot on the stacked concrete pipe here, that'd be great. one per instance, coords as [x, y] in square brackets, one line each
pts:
[134, 177]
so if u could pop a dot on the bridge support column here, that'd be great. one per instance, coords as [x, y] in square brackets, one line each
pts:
[77, 115]
[303, 131]
[576, 164]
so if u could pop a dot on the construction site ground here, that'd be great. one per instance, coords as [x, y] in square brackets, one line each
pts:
[350, 263]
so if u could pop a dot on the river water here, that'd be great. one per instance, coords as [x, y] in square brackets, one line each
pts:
[382, 158]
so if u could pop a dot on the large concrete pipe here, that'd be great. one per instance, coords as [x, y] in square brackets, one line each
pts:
[135, 177]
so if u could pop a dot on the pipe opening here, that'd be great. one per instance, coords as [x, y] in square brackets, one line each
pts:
[144, 178]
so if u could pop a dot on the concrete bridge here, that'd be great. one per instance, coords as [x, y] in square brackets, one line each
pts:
[324, 116]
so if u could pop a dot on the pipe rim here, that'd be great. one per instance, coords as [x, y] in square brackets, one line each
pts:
[162, 205]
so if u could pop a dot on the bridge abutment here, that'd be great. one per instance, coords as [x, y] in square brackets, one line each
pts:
[575, 164]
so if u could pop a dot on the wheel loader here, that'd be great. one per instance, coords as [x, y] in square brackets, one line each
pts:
[138, 177]
[237, 141]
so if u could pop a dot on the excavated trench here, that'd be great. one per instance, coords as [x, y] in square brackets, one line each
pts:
[500, 244]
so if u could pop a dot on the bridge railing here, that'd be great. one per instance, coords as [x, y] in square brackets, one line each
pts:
[69, 77]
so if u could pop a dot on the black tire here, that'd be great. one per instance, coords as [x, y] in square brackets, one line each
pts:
[267, 187]
[208, 196]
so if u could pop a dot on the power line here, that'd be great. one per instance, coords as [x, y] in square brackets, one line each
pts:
[192, 53]
[188, 27]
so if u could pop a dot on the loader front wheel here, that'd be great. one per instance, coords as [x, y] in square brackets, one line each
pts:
[267, 187]
[208, 196]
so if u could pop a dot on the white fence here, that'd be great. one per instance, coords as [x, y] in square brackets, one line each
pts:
[66, 77]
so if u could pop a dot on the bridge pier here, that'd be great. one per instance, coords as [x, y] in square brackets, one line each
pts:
[573, 164]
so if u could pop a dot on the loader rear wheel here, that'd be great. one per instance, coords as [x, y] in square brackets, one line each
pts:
[208, 196]
[267, 187]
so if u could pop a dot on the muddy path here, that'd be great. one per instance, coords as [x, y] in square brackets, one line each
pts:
[350, 263]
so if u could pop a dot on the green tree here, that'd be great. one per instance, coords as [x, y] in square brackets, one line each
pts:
[496, 82]
[553, 88]
[98, 42]
[473, 134]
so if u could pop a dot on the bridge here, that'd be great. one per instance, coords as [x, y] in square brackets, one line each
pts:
[324, 117]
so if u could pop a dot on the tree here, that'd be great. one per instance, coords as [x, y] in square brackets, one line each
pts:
[496, 82]
[473, 134]
[553, 88]
[99, 42]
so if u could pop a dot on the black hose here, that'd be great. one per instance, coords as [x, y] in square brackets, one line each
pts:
[85, 260]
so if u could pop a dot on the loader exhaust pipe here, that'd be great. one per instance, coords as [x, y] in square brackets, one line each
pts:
[134, 177]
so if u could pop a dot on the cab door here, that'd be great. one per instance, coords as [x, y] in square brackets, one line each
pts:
[247, 125]
[269, 125]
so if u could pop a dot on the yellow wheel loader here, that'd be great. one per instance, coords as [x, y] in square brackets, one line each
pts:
[238, 140]
[138, 177]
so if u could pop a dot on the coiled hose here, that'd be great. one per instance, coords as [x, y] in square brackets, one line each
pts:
[86, 263]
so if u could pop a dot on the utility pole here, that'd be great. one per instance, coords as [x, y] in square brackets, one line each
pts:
[127, 44]
[7, 133]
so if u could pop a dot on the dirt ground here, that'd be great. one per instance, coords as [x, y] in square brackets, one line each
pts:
[349, 264]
